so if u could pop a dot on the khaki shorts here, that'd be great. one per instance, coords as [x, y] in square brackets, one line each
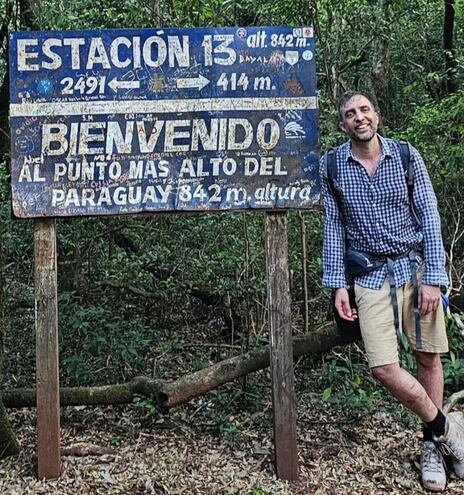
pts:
[377, 324]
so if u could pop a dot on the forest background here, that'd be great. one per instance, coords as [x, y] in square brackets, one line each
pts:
[163, 295]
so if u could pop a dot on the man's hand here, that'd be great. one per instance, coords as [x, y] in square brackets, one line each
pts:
[429, 298]
[342, 305]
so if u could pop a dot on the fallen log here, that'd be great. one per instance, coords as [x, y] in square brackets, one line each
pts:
[171, 393]
[452, 400]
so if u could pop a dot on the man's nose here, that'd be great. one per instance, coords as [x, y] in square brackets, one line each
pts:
[358, 116]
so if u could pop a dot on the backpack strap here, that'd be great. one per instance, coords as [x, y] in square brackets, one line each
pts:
[408, 166]
[331, 172]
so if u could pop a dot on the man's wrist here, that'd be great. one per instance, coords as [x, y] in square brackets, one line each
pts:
[334, 282]
[435, 277]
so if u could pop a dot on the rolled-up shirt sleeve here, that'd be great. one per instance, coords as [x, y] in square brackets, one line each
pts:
[334, 237]
[425, 205]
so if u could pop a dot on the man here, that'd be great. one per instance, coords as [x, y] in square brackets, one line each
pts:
[377, 218]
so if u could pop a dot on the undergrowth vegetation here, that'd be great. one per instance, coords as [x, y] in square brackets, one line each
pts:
[164, 295]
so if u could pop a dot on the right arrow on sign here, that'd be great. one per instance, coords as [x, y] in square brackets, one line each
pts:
[193, 82]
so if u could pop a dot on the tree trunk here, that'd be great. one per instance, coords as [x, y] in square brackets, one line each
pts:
[168, 394]
[452, 80]
[380, 74]
[30, 14]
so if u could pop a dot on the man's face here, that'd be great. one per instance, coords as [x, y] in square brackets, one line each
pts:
[359, 119]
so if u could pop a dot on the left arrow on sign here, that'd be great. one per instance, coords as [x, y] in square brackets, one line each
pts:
[193, 82]
[114, 84]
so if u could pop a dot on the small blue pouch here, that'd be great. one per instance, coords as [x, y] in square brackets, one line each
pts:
[359, 263]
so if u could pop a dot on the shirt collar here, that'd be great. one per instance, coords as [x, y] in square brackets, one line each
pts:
[385, 150]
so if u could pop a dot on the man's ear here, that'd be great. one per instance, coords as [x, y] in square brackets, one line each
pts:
[341, 126]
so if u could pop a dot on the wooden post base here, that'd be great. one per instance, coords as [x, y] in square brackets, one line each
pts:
[46, 321]
[283, 392]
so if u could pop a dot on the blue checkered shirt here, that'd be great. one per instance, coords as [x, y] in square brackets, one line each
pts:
[379, 219]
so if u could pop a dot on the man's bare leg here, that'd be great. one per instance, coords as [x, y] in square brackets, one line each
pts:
[430, 376]
[407, 390]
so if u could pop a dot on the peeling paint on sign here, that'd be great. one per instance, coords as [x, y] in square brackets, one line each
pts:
[129, 121]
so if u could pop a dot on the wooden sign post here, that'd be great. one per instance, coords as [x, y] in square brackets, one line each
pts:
[281, 358]
[47, 367]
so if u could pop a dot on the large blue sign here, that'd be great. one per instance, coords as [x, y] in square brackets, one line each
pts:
[146, 120]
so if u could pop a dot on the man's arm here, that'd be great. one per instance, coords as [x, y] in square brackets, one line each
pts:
[334, 250]
[425, 204]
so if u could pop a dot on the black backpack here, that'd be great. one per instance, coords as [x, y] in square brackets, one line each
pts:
[331, 172]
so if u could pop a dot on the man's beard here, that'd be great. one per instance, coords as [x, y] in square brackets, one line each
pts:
[364, 138]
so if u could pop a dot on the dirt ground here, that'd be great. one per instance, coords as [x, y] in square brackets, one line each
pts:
[185, 453]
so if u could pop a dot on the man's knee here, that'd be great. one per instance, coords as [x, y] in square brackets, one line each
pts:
[428, 360]
[386, 372]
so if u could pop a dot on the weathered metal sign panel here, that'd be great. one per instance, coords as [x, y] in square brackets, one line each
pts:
[146, 120]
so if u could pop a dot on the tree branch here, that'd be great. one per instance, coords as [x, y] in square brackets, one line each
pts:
[168, 394]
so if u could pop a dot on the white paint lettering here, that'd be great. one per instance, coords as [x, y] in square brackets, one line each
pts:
[178, 52]
[114, 52]
[171, 134]
[57, 196]
[26, 57]
[25, 174]
[149, 146]
[148, 51]
[87, 137]
[115, 139]
[269, 128]
[55, 59]
[246, 132]
[97, 55]
[54, 140]
[74, 43]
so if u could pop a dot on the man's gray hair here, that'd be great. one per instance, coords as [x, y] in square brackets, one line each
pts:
[346, 97]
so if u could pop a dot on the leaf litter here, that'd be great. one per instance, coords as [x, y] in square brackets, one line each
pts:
[123, 450]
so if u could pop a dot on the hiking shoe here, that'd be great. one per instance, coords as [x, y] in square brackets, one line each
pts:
[452, 442]
[432, 466]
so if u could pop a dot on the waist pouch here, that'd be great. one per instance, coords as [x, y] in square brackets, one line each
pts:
[358, 263]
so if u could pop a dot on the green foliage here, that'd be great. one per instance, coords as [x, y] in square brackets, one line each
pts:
[437, 130]
[95, 14]
[99, 344]
[347, 382]
[146, 405]
[115, 440]
[453, 363]
[407, 359]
